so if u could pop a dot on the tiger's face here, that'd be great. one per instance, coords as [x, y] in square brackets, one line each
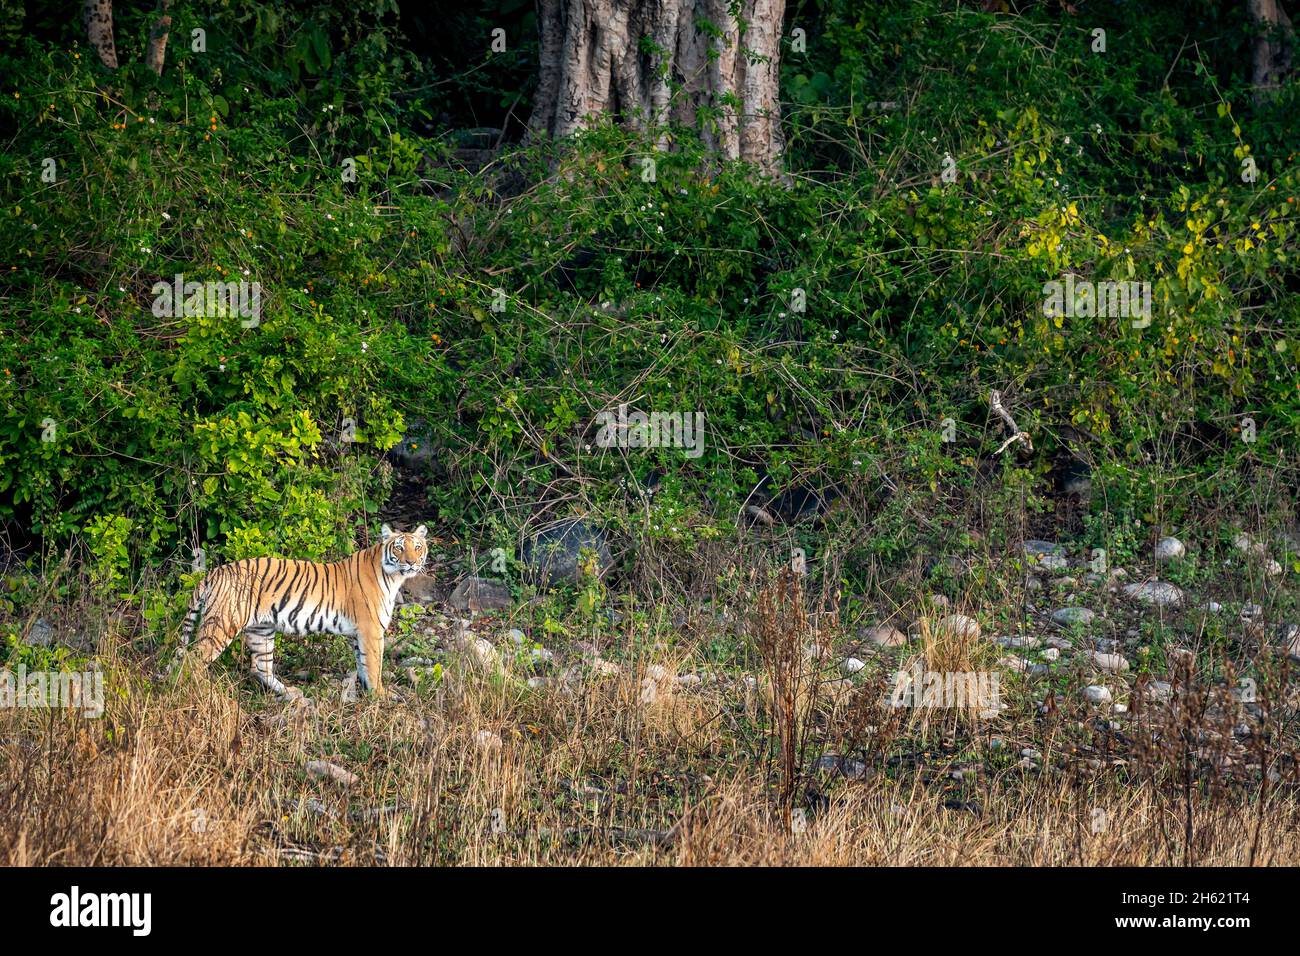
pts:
[405, 551]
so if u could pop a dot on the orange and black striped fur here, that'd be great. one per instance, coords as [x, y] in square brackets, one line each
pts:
[265, 596]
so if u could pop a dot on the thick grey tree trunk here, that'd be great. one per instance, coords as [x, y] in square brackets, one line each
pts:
[1271, 54]
[650, 62]
[98, 17]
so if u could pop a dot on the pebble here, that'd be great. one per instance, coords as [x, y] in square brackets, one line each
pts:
[1097, 694]
[1169, 549]
[1053, 562]
[1111, 663]
[1157, 593]
[852, 665]
[1071, 616]
[1027, 641]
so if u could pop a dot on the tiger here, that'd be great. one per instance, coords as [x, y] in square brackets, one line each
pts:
[261, 597]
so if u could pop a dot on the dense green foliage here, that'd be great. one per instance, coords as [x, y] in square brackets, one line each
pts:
[381, 307]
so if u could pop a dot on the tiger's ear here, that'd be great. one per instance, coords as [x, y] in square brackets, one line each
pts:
[386, 531]
[421, 532]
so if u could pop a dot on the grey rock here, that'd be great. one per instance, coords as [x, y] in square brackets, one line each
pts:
[560, 553]
[1156, 593]
[1097, 694]
[1072, 616]
[1288, 638]
[1248, 545]
[844, 766]
[423, 589]
[417, 448]
[1111, 663]
[41, 634]
[481, 594]
[1036, 548]
[1169, 549]
[1021, 642]
[1053, 562]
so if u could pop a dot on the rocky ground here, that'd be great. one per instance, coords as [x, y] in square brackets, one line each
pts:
[1141, 716]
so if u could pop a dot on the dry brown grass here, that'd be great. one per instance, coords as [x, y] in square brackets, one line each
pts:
[482, 770]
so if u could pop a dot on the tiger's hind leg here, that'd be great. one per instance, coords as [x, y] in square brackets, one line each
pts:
[261, 645]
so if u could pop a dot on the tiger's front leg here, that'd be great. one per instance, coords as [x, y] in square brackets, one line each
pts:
[261, 645]
[370, 659]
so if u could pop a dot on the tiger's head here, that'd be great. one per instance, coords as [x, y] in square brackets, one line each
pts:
[405, 551]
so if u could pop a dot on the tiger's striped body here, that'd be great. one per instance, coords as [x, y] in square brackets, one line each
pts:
[265, 596]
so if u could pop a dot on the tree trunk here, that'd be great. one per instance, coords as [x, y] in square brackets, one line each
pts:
[1271, 54]
[648, 62]
[156, 52]
[98, 17]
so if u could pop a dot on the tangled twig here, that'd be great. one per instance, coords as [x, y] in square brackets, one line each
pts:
[995, 402]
